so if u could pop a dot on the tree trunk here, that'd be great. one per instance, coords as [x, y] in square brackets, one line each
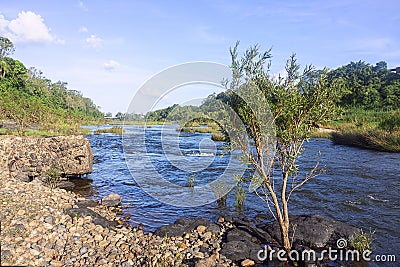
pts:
[285, 235]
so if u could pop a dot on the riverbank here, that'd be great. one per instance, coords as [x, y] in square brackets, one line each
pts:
[36, 230]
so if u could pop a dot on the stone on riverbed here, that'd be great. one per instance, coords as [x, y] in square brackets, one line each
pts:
[97, 219]
[182, 226]
[112, 200]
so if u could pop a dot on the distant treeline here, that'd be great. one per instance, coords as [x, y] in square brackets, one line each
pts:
[363, 86]
[27, 97]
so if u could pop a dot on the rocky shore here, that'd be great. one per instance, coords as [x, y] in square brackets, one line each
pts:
[53, 227]
[41, 226]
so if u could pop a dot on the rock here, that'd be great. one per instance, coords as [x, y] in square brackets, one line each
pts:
[208, 262]
[256, 232]
[313, 231]
[221, 220]
[49, 219]
[28, 157]
[112, 200]
[238, 235]
[21, 212]
[103, 243]
[22, 176]
[247, 263]
[87, 203]
[240, 250]
[55, 263]
[97, 219]
[67, 185]
[201, 228]
[182, 226]
[5, 253]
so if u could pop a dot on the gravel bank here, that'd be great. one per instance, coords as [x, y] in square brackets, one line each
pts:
[38, 230]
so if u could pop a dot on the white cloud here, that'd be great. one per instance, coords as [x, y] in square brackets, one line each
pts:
[83, 29]
[93, 41]
[82, 6]
[28, 27]
[3, 23]
[111, 65]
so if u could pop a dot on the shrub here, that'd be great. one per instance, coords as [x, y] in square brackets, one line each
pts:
[52, 176]
[362, 241]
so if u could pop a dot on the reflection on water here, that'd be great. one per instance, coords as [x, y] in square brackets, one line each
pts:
[359, 187]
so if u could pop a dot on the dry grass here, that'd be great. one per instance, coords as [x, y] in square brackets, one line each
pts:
[369, 138]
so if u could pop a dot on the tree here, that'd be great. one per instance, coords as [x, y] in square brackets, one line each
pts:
[21, 109]
[296, 102]
[6, 48]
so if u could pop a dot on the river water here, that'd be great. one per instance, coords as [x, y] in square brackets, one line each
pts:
[360, 187]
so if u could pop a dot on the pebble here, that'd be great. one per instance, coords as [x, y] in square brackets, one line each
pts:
[201, 228]
[247, 263]
[42, 234]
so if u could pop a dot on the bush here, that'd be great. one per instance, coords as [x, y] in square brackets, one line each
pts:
[362, 241]
[52, 176]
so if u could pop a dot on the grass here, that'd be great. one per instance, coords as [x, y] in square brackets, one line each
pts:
[362, 241]
[375, 139]
[113, 130]
[370, 129]
[218, 136]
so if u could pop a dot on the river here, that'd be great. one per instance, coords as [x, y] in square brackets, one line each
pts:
[360, 187]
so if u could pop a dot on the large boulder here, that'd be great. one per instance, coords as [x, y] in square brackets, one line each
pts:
[313, 231]
[27, 157]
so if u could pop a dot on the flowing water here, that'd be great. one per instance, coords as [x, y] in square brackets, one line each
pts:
[359, 187]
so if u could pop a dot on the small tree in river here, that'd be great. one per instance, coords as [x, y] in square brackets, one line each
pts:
[297, 102]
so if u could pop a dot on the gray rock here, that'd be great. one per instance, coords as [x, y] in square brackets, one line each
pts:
[97, 219]
[112, 200]
[23, 177]
[240, 250]
[49, 219]
[238, 235]
[182, 226]
[254, 231]
[19, 227]
[83, 250]
[67, 185]
[313, 231]
[87, 203]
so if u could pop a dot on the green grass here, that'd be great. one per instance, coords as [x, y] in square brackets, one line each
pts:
[113, 130]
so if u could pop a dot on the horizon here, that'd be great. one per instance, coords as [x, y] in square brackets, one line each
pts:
[108, 50]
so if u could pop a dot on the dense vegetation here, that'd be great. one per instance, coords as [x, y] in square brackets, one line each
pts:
[27, 98]
[367, 86]
[368, 98]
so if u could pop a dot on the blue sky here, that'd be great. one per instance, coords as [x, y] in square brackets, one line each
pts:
[107, 49]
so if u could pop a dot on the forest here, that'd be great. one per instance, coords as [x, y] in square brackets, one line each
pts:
[30, 100]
